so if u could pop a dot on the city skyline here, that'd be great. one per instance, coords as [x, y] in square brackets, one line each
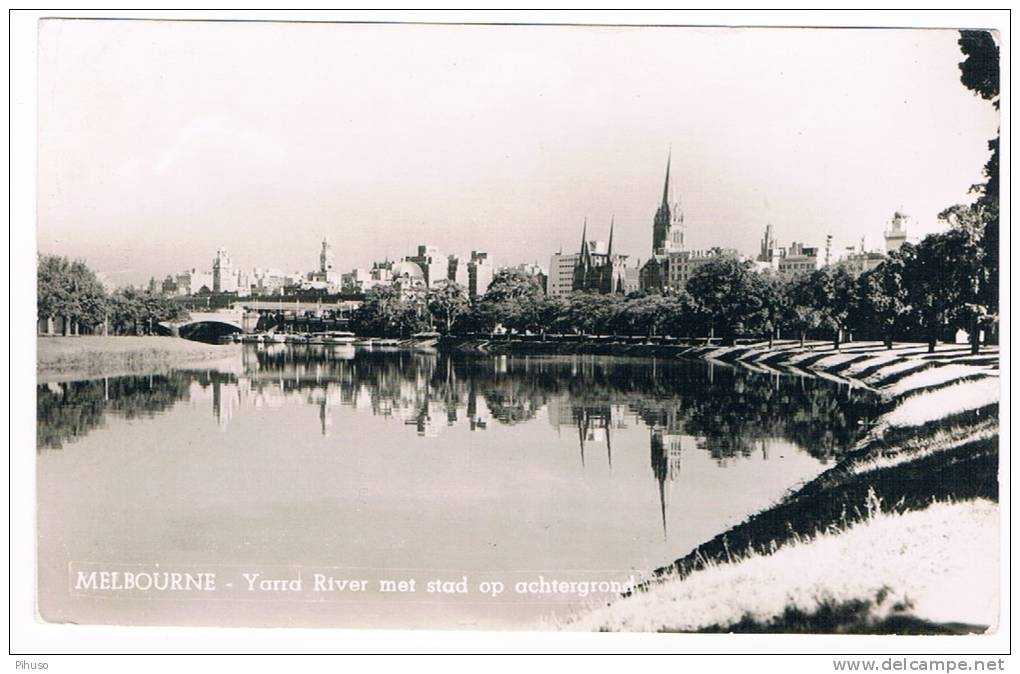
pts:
[480, 145]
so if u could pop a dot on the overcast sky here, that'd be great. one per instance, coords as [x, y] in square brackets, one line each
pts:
[160, 141]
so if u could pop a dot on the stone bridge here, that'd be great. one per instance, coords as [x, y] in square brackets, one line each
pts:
[208, 325]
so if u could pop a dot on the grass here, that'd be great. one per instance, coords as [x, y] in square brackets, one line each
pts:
[84, 357]
[900, 536]
[930, 571]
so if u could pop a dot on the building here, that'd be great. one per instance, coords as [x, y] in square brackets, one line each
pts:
[480, 273]
[326, 277]
[600, 270]
[272, 281]
[357, 280]
[224, 278]
[861, 258]
[561, 274]
[896, 235]
[768, 251]
[671, 264]
[798, 259]
[407, 275]
[433, 264]
[680, 266]
[668, 224]
[474, 272]
[192, 282]
[534, 270]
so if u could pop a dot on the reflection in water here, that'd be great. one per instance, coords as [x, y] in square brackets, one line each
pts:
[686, 405]
[729, 412]
[418, 460]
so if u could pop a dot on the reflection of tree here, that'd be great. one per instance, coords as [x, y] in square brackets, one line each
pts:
[729, 412]
[74, 409]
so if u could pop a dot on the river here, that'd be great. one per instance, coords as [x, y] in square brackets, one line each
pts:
[301, 463]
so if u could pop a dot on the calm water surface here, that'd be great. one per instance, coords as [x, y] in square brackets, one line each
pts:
[418, 463]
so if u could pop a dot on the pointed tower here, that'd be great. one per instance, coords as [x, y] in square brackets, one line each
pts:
[612, 225]
[583, 267]
[660, 226]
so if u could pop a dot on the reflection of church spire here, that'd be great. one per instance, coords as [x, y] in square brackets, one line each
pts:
[609, 446]
[323, 417]
[582, 433]
[660, 471]
[666, 453]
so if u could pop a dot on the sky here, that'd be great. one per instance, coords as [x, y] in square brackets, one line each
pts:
[161, 141]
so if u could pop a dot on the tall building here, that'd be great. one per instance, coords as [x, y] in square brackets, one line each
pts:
[224, 278]
[325, 277]
[896, 235]
[768, 250]
[194, 281]
[326, 256]
[598, 269]
[433, 264]
[671, 264]
[668, 224]
[480, 273]
[561, 273]
[475, 273]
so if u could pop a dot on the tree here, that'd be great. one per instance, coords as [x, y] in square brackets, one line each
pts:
[969, 274]
[801, 304]
[979, 72]
[725, 291]
[71, 291]
[378, 314]
[513, 299]
[771, 289]
[447, 302]
[940, 280]
[883, 295]
[592, 312]
[681, 316]
[833, 293]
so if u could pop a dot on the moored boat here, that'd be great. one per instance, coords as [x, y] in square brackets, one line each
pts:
[340, 338]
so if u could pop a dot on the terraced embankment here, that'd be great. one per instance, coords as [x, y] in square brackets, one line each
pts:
[901, 535]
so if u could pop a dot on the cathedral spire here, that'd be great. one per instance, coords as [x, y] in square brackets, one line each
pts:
[665, 187]
[609, 247]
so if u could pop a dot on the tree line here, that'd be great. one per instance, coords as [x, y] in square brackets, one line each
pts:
[70, 291]
[921, 292]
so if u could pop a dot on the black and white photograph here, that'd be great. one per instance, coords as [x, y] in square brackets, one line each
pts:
[529, 327]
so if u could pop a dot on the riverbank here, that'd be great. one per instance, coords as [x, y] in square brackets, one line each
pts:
[901, 535]
[70, 358]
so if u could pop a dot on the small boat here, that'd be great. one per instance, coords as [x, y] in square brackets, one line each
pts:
[295, 338]
[340, 338]
[250, 338]
[317, 338]
[277, 337]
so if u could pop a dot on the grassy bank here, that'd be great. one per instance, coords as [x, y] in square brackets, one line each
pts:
[901, 535]
[69, 358]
